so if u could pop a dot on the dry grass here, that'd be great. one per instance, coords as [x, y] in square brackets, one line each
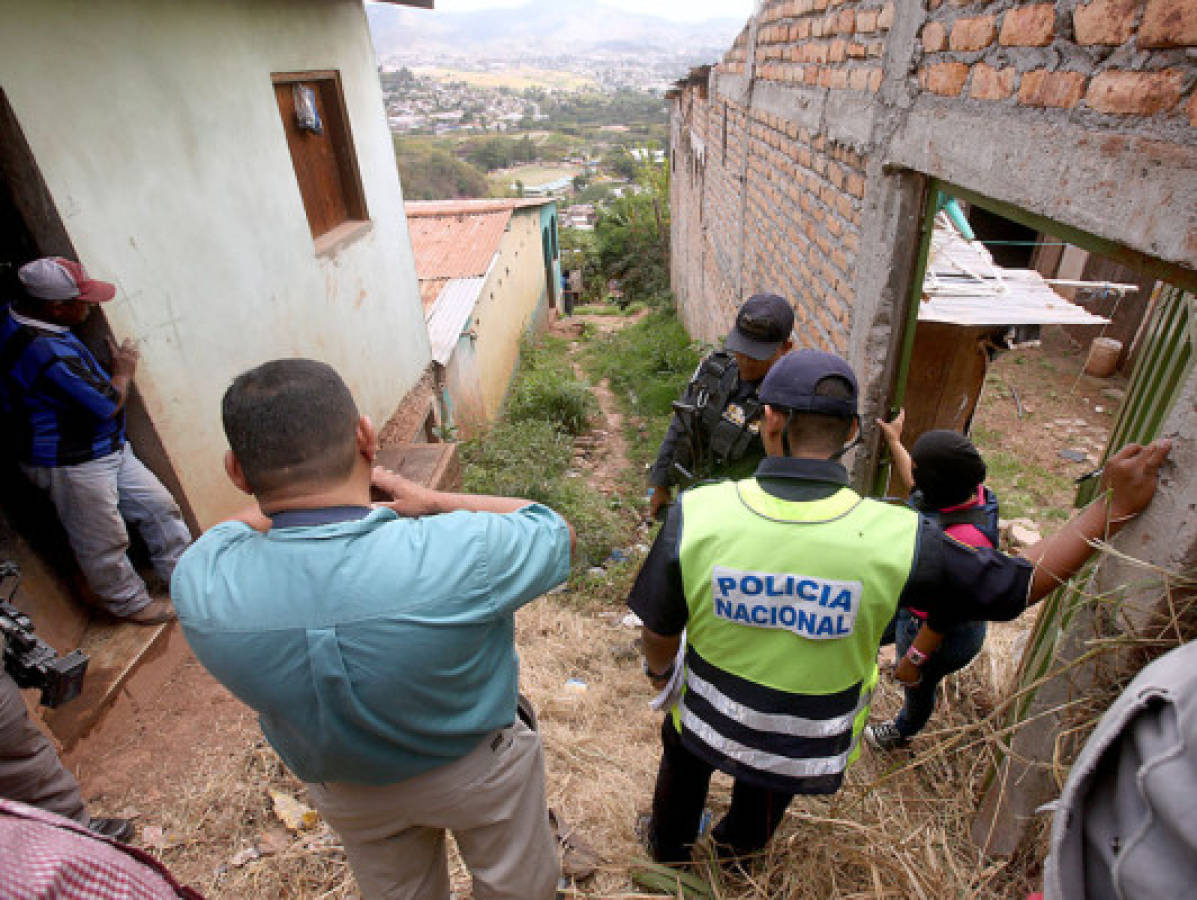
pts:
[899, 828]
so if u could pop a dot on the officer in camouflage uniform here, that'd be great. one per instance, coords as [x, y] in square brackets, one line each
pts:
[714, 432]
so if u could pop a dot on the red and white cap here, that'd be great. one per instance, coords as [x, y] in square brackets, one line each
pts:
[55, 278]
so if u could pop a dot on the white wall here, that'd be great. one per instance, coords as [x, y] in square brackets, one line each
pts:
[156, 129]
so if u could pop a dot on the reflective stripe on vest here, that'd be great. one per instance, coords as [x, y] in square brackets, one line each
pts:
[787, 605]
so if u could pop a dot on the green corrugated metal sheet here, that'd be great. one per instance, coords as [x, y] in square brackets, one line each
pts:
[1162, 362]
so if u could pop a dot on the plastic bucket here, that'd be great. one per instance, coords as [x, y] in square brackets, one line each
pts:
[1103, 357]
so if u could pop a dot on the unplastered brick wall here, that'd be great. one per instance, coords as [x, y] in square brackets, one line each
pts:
[804, 194]
[799, 157]
[1120, 58]
[836, 45]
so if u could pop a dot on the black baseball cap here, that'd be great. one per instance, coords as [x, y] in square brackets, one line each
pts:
[762, 324]
[947, 467]
[793, 381]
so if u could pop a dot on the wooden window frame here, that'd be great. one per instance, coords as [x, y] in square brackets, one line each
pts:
[330, 229]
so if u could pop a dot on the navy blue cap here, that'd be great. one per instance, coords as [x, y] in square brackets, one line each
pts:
[792, 381]
[762, 324]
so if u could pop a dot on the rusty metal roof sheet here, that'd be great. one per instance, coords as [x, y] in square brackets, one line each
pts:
[458, 245]
[450, 315]
[430, 289]
[417, 208]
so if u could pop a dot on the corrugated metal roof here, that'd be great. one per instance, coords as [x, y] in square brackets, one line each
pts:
[430, 289]
[417, 208]
[450, 314]
[456, 245]
[964, 286]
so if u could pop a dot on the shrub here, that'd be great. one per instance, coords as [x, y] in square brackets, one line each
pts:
[544, 396]
[648, 363]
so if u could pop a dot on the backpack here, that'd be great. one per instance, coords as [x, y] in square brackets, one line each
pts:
[984, 517]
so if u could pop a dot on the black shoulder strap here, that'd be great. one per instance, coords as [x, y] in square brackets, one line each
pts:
[977, 516]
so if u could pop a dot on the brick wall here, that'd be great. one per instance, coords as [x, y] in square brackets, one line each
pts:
[798, 157]
[815, 42]
[1122, 58]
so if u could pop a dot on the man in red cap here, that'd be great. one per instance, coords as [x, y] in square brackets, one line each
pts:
[66, 417]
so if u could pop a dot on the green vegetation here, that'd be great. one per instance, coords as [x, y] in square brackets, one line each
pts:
[632, 237]
[1024, 489]
[644, 116]
[529, 453]
[430, 172]
[490, 153]
[531, 175]
[647, 365]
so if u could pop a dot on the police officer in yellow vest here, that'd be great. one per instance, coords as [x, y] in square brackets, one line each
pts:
[784, 583]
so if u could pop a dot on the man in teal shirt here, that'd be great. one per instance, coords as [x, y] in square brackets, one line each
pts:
[377, 643]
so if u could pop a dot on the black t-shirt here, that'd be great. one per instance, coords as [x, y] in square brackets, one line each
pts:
[952, 582]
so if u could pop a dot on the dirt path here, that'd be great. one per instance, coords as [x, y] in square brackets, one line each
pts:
[602, 452]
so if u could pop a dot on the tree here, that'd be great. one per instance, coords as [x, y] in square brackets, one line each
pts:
[618, 161]
[632, 236]
[579, 251]
[430, 172]
[597, 192]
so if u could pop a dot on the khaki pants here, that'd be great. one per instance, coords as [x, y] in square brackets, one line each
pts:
[30, 770]
[493, 800]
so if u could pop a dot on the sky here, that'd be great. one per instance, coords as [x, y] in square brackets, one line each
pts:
[676, 10]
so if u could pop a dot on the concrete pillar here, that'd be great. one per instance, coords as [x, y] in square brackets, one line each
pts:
[1162, 540]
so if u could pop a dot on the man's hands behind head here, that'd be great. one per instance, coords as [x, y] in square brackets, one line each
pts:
[407, 498]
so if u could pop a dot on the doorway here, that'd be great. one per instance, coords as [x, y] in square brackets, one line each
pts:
[52, 592]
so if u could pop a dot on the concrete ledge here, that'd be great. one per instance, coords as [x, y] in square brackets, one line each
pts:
[1106, 184]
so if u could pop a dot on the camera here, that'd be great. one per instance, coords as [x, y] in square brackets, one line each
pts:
[30, 661]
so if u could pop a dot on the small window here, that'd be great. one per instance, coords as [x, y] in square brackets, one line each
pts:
[321, 148]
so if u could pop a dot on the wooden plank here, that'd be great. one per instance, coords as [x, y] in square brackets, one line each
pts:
[432, 465]
[914, 295]
[116, 649]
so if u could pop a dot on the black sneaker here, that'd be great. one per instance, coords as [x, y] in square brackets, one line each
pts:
[117, 829]
[885, 737]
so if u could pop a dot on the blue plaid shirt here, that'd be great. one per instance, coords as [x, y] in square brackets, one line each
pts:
[59, 404]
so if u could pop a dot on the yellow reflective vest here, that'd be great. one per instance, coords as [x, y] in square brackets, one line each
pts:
[787, 603]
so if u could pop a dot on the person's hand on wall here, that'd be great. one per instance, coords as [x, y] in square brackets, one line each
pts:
[892, 430]
[1131, 476]
[124, 358]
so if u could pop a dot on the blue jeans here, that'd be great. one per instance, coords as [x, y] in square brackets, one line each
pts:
[960, 646]
[94, 500]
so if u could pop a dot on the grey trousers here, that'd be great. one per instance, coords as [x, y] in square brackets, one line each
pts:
[493, 800]
[94, 500]
[30, 770]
